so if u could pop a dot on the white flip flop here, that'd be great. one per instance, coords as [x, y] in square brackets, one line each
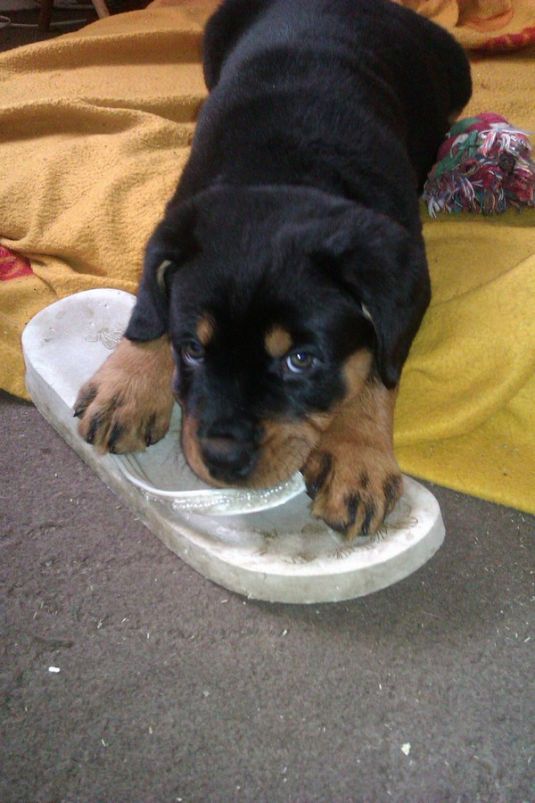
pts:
[262, 544]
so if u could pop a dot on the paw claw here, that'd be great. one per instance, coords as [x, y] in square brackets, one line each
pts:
[392, 489]
[353, 501]
[85, 397]
[368, 516]
[149, 431]
[338, 526]
[314, 485]
[115, 435]
[93, 427]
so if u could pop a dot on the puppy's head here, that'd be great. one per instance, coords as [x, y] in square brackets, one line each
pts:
[280, 303]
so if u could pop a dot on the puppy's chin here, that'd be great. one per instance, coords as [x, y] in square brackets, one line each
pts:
[284, 449]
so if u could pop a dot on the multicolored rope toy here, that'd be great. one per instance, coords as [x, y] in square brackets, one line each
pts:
[484, 166]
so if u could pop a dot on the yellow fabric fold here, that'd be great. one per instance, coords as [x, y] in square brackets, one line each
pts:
[95, 129]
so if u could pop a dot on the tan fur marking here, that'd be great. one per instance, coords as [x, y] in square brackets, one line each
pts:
[192, 450]
[205, 329]
[160, 274]
[356, 372]
[286, 445]
[347, 453]
[129, 399]
[363, 480]
[278, 341]
[283, 451]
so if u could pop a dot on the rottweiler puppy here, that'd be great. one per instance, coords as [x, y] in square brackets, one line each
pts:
[288, 277]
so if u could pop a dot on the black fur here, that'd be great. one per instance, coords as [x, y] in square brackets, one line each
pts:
[299, 203]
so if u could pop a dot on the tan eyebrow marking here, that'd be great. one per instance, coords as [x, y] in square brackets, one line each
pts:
[205, 329]
[277, 341]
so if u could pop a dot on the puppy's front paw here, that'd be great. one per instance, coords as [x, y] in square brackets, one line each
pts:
[353, 487]
[126, 406]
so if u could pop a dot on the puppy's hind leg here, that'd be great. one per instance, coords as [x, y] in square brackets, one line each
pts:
[126, 406]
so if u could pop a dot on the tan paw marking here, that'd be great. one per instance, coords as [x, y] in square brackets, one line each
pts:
[126, 406]
[353, 490]
[352, 476]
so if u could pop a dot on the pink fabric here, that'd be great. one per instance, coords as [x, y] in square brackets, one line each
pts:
[13, 266]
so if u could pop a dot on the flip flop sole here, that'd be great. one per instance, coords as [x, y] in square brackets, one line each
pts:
[263, 544]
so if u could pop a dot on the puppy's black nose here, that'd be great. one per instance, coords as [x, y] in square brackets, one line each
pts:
[229, 449]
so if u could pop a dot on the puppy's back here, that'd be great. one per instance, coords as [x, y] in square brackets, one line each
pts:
[327, 92]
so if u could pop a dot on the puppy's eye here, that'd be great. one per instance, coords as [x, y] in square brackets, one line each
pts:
[298, 362]
[192, 352]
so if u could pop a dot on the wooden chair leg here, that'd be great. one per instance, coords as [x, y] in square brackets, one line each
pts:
[45, 14]
[101, 8]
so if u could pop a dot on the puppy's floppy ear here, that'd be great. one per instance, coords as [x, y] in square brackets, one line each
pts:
[223, 30]
[384, 268]
[171, 244]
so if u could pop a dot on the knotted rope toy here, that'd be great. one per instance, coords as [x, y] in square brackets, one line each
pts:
[483, 166]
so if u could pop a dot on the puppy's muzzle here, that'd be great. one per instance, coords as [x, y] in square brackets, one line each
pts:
[229, 449]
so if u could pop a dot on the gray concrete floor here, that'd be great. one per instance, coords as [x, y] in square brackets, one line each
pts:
[172, 688]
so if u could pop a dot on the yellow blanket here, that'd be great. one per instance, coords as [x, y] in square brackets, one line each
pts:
[94, 130]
